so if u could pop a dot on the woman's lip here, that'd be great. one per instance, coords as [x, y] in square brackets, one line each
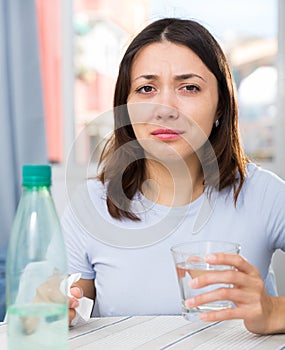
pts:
[166, 132]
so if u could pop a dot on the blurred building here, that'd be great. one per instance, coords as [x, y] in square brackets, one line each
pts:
[102, 31]
[253, 62]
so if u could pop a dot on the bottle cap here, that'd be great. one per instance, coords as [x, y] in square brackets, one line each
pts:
[36, 175]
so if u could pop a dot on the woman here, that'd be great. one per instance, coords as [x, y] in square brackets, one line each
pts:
[174, 171]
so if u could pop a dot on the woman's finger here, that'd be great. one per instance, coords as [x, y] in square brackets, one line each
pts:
[71, 315]
[230, 277]
[225, 314]
[234, 260]
[72, 303]
[76, 291]
[237, 296]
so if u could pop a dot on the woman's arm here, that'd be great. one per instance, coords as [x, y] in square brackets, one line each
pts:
[87, 287]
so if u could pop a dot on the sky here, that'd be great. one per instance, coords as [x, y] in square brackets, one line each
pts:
[224, 18]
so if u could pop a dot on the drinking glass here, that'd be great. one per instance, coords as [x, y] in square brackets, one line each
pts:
[189, 259]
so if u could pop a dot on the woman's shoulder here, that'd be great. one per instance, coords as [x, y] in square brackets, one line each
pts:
[96, 187]
[88, 194]
[258, 174]
[263, 181]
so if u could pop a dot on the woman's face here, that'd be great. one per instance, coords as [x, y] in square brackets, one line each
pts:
[172, 101]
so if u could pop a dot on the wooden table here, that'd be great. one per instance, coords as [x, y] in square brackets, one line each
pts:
[163, 332]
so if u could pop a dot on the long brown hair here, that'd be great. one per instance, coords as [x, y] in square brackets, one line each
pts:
[122, 160]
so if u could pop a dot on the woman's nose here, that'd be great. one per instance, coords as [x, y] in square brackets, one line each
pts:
[166, 108]
[163, 112]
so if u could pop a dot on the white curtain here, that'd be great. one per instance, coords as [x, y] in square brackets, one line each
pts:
[22, 134]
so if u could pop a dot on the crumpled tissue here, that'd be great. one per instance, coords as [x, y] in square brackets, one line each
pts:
[84, 309]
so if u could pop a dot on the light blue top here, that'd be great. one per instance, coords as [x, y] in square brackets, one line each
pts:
[131, 261]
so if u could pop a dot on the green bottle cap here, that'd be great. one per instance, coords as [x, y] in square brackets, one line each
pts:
[36, 175]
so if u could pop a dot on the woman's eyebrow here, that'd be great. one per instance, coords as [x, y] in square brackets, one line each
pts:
[147, 77]
[177, 77]
[188, 76]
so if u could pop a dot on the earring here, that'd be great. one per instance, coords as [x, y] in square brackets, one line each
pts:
[217, 123]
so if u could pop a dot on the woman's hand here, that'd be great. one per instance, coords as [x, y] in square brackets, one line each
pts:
[73, 302]
[260, 312]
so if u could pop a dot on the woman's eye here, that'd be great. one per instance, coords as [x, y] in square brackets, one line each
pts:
[191, 88]
[145, 89]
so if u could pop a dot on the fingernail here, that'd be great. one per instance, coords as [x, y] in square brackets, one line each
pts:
[203, 317]
[194, 282]
[77, 290]
[191, 302]
[211, 258]
[80, 291]
[74, 304]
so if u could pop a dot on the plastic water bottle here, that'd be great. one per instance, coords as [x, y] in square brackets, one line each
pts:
[36, 269]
